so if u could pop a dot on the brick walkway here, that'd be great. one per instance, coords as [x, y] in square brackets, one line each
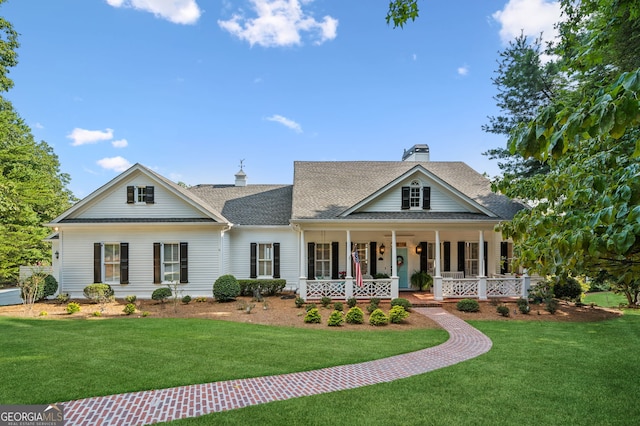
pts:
[146, 407]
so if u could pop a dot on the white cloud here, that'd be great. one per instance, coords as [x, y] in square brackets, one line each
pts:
[117, 164]
[414, 57]
[120, 143]
[463, 70]
[286, 122]
[529, 16]
[279, 23]
[38, 126]
[176, 11]
[84, 137]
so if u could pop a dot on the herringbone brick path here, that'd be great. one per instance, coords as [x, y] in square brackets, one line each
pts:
[146, 407]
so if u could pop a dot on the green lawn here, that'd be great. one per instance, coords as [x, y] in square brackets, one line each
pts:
[606, 299]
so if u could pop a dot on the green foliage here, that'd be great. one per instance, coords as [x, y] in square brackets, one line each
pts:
[523, 305]
[310, 306]
[401, 11]
[98, 292]
[62, 298]
[336, 319]
[73, 307]
[50, 286]
[355, 316]
[567, 288]
[378, 317]
[380, 275]
[201, 299]
[374, 302]
[129, 308]
[186, 299]
[299, 301]
[338, 306]
[97, 314]
[399, 301]
[267, 287]
[161, 294]
[226, 288]
[551, 306]
[421, 280]
[468, 305]
[325, 301]
[398, 314]
[503, 310]
[131, 298]
[351, 302]
[313, 316]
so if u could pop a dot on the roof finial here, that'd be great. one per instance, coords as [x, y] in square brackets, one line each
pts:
[241, 165]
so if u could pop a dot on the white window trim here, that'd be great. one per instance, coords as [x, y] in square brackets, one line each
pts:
[259, 260]
[326, 261]
[104, 263]
[162, 262]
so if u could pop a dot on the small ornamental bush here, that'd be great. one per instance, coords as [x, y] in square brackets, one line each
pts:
[468, 305]
[299, 301]
[336, 319]
[131, 298]
[338, 306]
[503, 310]
[50, 286]
[399, 301]
[43, 313]
[186, 299]
[352, 302]
[310, 306]
[201, 299]
[551, 306]
[97, 314]
[226, 288]
[312, 316]
[161, 294]
[146, 313]
[566, 288]
[129, 309]
[73, 307]
[378, 317]
[523, 306]
[355, 316]
[398, 314]
[325, 301]
[62, 298]
[98, 293]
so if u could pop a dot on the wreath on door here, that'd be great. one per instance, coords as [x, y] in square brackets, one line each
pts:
[400, 260]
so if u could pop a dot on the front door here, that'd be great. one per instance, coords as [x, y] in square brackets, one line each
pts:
[401, 262]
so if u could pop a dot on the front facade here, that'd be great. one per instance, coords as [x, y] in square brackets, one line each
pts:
[141, 231]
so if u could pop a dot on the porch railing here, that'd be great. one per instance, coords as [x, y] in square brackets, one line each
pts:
[344, 289]
[483, 288]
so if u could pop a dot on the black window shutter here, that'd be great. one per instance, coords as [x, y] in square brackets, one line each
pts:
[311, 261]
[276, 260]
[447, 255]
[335, 260]
[157, 270]
[131, 195]
[426, 198]
[253, 258]
[373, 264]
[97, 262]
[184, 263]
[405, 197]
[504, 254]
[124, 263]
[461, 246]
[486, 258]
[424, 265]
[149, 195]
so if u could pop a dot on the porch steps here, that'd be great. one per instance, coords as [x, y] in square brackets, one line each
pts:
[426, 304]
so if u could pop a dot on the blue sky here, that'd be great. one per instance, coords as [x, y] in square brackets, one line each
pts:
[190, 88]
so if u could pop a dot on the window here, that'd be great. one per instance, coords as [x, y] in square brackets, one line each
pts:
[170, 263]
[323, 261]
[265, 260]
[363, 256]
[472, 254]
[506, 257]
[111, 263]
[431, 258]
[416, 196]
[140, 195]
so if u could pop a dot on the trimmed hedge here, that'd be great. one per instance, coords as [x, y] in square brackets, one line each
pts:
[267, 287]
[226, 288]
[98, 292]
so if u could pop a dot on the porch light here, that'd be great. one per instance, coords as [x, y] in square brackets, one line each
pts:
[382, 249]
[419, 249]
[57, 255]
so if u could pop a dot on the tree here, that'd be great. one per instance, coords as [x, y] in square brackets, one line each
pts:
[586, 211]
[401, 11]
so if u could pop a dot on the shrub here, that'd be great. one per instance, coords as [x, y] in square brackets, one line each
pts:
[312, 316]
[129, 308]
[503, 310]
[161, 294]
[73, 307]
[226, 288]
[567, 288]
[146, 313]
[43, 313]
[62, 298]
[523, 306]
[355, 316]
[186, 299]
[310, 306]
[338, 306]
[398, 314]
[336, 319]
[468, 305]
[299, 302]
[98, 293]
[399, 301]
[541, 292]
[97, 314]
[352, 302]
[131, 298]
[201, 299]
[374, 302]
[268, 287]
[50, 286]
[380, 276]
[551, 306]
[325, 301]
[378, 317]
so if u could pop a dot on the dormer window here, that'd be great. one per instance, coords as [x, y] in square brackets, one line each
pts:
[140, 195]
[416, 196]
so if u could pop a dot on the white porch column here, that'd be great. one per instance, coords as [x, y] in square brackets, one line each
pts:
[394, 255]
[222, 254]
[526, 284]
[437, 280]
[348, 283]
[302, 282]
[482, 278]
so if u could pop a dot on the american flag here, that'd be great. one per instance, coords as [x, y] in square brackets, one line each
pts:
[356, 261]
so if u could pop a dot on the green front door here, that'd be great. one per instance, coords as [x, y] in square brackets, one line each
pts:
[401, 262]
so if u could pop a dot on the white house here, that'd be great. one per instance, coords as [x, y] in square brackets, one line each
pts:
[140, 231]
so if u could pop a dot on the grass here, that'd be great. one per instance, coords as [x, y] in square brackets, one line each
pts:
[45, 361]
[537, 373]
[606, 299]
